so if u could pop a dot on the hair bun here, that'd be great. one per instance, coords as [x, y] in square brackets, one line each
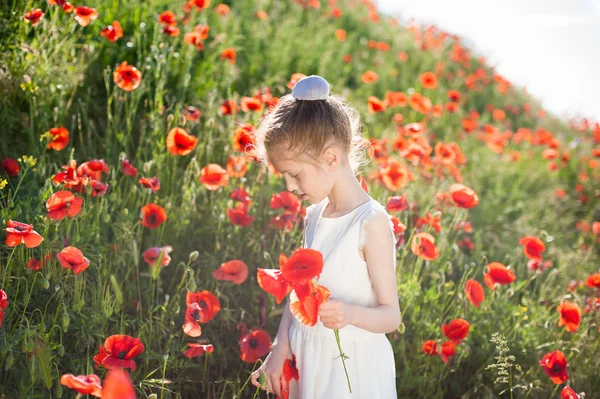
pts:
[311, 87]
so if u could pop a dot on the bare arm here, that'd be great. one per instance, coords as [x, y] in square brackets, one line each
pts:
[283, 338]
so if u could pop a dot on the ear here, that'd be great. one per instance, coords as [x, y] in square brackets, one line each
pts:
[331, 157]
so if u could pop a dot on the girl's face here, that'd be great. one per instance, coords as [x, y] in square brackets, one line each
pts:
[310, 180]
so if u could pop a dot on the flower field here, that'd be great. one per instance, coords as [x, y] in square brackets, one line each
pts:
[136, 217]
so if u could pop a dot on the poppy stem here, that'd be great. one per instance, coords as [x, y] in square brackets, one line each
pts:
[343, 356]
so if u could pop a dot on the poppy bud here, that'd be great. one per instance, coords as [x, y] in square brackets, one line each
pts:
[45, 283]
[401, 328]
[193, 256]
[58, 390]
[153, 396]
[65, 321]
[60, 350]
[106, 218]
[125, 212]
[9, 361]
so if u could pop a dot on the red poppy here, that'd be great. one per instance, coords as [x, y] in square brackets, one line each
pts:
[456, 330]
[554, 365]
[235, 271]
[423, 245]
[428, 80]
[304, 265]
[286, 200]
[294, 79]
[33, 16]
[474, 292]
[84, 15]
[498, 274]
[229, 54]
[448, 350]
[213, 176]
[152, 183]
[272, 281]
[363, 184]
[198, 349]
[153, 215]
[11, 166]
[463, 196]
[454, 96]
[532, 247]
[251, 104]
[66, 6]
[285, 222]
[199, 4]
[593, 281]
[240, 194]
[72, 258]
[236, 166]
[172, 31]
[538, 264]
[62, 204]
[98, 188]
[128, 169]
[167, 18]
[3, 304]
[151, 255]
[179, 142]
[254, 345]
[117, 385]
[84, 384]
[376, 105]
[127, 77]
[430, 347]
[290, 371]
[305, 301]
[570, 316]
[93, 168]
[191, 113]
[209, 304]
[394, 175]
[118, 351]
[70, 178]
[243, 137]
[59, 138]
[228, 107]
[33, 264]
[192, 317]
[397, 203]
[239, 216]
[222, 9]
[370, 77]
[112, 32]
[21, 233]
[568, 393]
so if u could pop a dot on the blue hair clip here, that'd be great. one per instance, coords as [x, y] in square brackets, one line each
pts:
[311, 87]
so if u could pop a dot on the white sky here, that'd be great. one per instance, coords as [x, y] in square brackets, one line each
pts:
[552, 47]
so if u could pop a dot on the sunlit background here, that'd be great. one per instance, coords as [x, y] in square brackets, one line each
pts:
[552, 47]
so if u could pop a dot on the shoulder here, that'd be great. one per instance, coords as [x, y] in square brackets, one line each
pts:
[313, 209]
[375, 226]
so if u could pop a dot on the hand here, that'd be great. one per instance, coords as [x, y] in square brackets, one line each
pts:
[272, 367]
[335, 314]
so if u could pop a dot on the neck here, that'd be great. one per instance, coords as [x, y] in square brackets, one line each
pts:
[346, 194]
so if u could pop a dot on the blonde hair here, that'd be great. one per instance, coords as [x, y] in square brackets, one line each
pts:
[296, 127]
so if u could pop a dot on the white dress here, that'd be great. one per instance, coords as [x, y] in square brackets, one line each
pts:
[370, 365]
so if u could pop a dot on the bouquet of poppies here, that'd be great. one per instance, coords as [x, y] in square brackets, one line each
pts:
[295, 277]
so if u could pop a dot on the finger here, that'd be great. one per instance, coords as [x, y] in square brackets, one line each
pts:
[254, 379]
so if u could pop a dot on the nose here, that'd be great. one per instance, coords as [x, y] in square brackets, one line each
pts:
[290, 186]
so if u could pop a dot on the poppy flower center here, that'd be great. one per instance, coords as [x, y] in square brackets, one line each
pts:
[128, 75]
[152, 218]
[202, 304]
[121, 354]
[196, 315]
[20, 228]
[253, 344]
[556, 368]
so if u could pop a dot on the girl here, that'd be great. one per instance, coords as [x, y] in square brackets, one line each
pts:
[312, 138]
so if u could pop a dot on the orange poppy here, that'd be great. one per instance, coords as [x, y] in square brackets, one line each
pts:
[199, 4]
[62, 204]
[376, 105]
[430, 347]
[235, 271]
[304, 265]
[497, 273]
[21, 233]
[272, 281]
[261, 14]
[222, 9]
[228, 107]
[474, 292]
[117, 385]
[570, 316]
[152, 216]
[428, 80]
[254, 345]
[179, 142]
[448, 350]
[286, 200]
[396, 98]
[112, 32]
[127, 77]
[33, 16]
[167, 18]
[423, 245]
[340, 34]
[243, 137]
[66, 6]
[198, 350]
[229, 54]
[463, 196]
[239, 215]
[170, 30]
[305, 300]
[152, 183]
[84, 15]
[420, 103]
[191, 113]
[370, 77]
[72, 258]
[194, 38]
[236, 166]
[213, 176]
[593, 281]
[84, 384]
[532, 247]
[554, 365]
[151, 255]
[192, 317]
[209, 304]
[249, 104]
[11, 166]
[395, 176]
[456, 330]
[59, 138]
[118, 351]
[294, 79]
